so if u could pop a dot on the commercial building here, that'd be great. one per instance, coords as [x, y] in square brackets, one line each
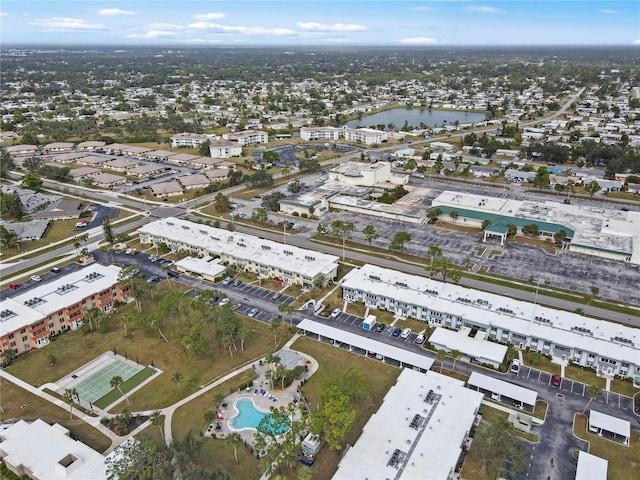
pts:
[607, 347]
[291, 265]
[47, 452]
[603, 232]
[28, 319]
[419, 431]
[366, 174]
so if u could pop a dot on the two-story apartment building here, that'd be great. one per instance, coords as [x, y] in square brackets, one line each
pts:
[607, 347]
[267, 259]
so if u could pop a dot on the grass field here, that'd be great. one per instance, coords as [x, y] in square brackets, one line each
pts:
[214, 451]
[624, 462]
[13, 397]
[332, 362]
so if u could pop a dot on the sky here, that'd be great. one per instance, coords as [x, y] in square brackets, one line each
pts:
[320, 22]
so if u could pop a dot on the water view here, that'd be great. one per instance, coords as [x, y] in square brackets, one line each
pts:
[416, 116]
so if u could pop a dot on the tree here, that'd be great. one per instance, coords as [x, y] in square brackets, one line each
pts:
[592, 188]
[260, 215]
[116, 382]
[203, 149]
[593, 392]
[541, 180]
[433, 214]
[512, 230]
[441, 356]
[166, 267]
[275, 328]
[11, 205]
[221, 203]
[286, 169]
[271, 201]
[33, 164]
[399, 240]
[370, 233]
[194, 343]
[52, 359]
[295, 186]
[31, 181]
[287, 309]
[234, 440]
[6, 164]
[444, 267]
[156, 418]
[309, 165]
[8, 237]
[71, 396]
[454, 215]
[455, 354]
[260, 179]
[336, 415]
[433, 252]
[106, 228]
[559, 237]
[209, 415]
[499, 448]
[176, 377]
[485, 224]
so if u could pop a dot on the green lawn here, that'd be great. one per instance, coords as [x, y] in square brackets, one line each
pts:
[332, 362]
[12, 398]
[540, 362]
[624, 462]
[215, 451]
[584, 375]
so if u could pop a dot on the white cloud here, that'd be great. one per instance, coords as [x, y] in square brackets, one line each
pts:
[336, 27]
[163, 26]
[608, 11]
[636, 42]
[65, 24]
[115, 12]
[338, 40]
[4, 14]
[241, 30]
[484, 9]
[209, 16]
[417, 41]
[421, 9]
[153, 34]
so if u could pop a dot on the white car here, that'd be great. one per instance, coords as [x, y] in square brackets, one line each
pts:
[515, 366]
[253, 312]
[335, 313]
[36, 278]
[223, 302]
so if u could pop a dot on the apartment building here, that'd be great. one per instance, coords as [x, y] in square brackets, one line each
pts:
[607, 347]
[28, 319]
[247, 137]
[189, 140]
[367, 136]
[286, 263]
[225, 149]
[327, 134]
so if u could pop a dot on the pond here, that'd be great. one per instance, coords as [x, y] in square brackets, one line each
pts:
[415, 116]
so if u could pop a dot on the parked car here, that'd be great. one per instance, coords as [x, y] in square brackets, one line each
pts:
[253, 312]
[396, 332]
[13, 286]
[55, 270]
[223, 302]
[36, 278]
[276, 296]
[152, 279]
[379, 328]
[419, 339]
[227, 281]
[335, 313]
[173, 273]
[556, 380]
[515, 366]
[517, 404]
[237, 282]
[405, 333]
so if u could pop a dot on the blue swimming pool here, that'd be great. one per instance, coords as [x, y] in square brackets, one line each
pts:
[248, 415]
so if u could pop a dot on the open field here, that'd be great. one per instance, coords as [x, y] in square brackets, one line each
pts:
[13, 397]
[332, 362]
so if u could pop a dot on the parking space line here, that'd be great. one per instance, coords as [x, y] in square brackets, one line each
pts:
[539, 375]
[528, 373]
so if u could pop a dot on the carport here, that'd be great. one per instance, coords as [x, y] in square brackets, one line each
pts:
[502, 388]
[599, 422]
[591, 467]
[476, 347]
[208, 267]
[404, 357]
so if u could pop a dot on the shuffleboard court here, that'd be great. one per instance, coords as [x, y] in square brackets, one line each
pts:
[99, 383]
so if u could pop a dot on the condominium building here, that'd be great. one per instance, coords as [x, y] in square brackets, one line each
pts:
[607, 347]
[247, 137]
[190, 140]
[288, 264]
[368, 136]
[30, 318]
[327, 134]
[225, 149]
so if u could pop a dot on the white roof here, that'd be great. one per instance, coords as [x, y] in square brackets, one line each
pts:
[206, 266]
[591, 467]
[474, 347]
[488, 309]
[610, 424]
[218, 241]
[51, 298]
[432, 449]
[501, 387]
[367, 344]
[41, 447]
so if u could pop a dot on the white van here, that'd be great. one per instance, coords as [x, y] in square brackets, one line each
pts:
[405, 333]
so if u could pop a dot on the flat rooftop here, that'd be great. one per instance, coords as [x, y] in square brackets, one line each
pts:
[413, 205]
[417, 432]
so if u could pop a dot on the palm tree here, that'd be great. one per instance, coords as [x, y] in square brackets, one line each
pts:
[455, 354]
[287, 309]
[218, 398]
[209, 415]
[166, 267]
[234, 440]
[593, 392]
[276, 323]
[116, 382]
[157, 420]
[441, 356]
[71, 396]
[176, 377]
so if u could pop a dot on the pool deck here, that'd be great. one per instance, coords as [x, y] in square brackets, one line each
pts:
[263, 402]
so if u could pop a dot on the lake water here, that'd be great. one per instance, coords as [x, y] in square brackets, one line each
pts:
[415, 116]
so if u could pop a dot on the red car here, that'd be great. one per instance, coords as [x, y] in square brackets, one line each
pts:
[556, 380]
[13, 286]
